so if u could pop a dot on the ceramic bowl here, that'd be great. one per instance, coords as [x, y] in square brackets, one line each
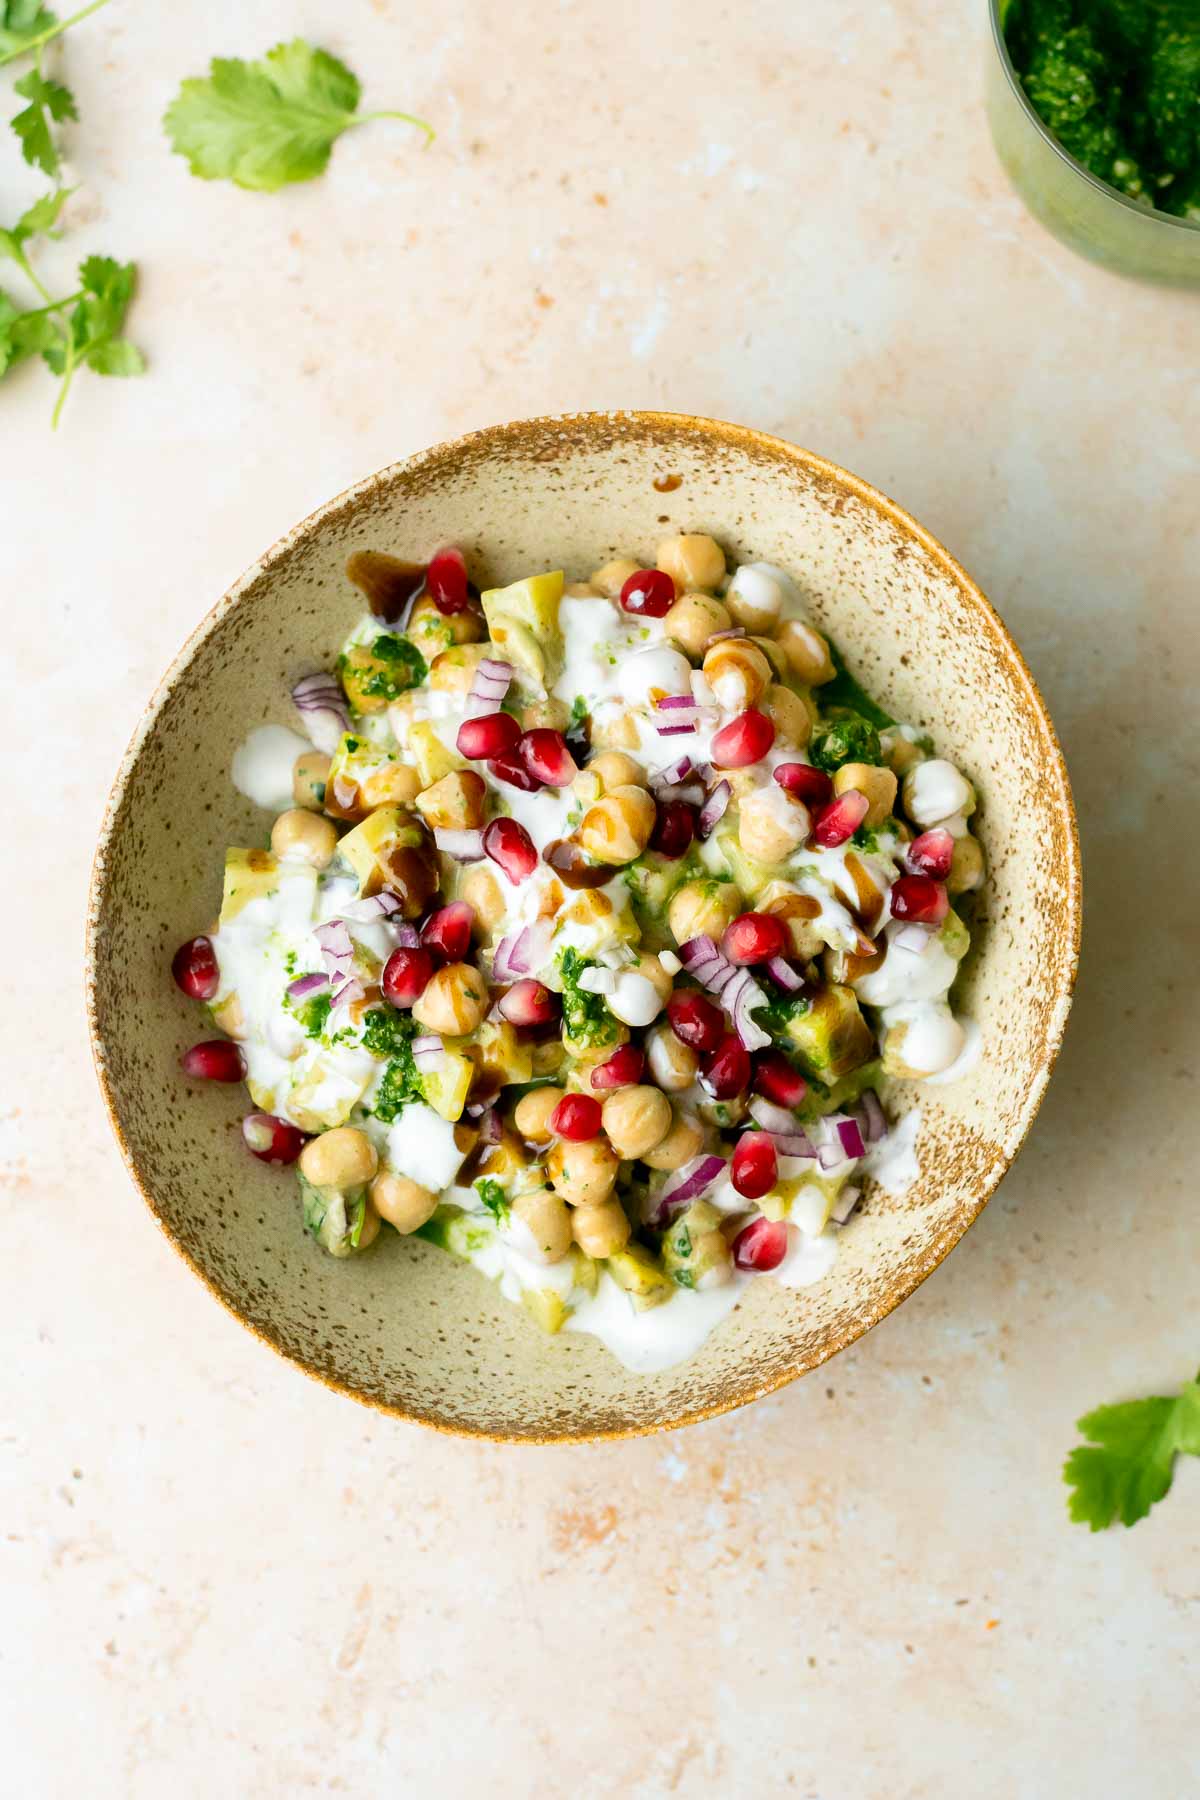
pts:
[407, 1328]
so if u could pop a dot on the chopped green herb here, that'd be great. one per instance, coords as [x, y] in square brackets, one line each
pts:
[264, 124]
[493, 1197]
[579, 714]
[844, 691]
[1128, 1463]
[314, 1014]
[841, 737]
[585, 1015]
[779, 1012]
[403, 668]
[49, 101]
[388, 1032]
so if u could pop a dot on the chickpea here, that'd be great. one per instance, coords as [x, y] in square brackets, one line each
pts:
[600, 1230]
[693, 560]
[703, 908]
[229, 1017]
[545, 715]
[549, 1059]
[466, 627]
[673, 1064]
[454, 671]
[342, 1158]
[304, 836]
[652, 970]
[584, 1174]
[799, 913]
[771, 824]
[617, 828]
[682, 1142]
[455, 803]
[900, 753]
[737, 672]
[790, 716]
[636, 1118]
[611, 578]
[935, 790]
[617, 731]
[454, 1002]
[395, 784]
[369, 1229]
[403, 1203]
[547, 1218]
[310, 772]
[755, 597]
[966, 866]
[724, 1113]
[579, 590]
[613, 769]
[480, 889]
[532, 1114]
[634, 1000]
[879, 786]
[807, 653]
[694, 619]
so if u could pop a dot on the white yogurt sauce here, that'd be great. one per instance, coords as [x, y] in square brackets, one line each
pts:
[262, 766]
[892, 1162]
[648, 1342]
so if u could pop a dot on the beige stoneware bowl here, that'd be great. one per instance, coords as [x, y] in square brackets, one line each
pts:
[408, 1328]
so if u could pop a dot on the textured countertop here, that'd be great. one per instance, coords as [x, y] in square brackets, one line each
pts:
[219, 1578]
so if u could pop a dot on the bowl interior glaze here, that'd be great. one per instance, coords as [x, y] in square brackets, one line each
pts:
[408, 1328]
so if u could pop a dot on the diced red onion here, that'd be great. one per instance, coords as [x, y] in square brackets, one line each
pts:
[522, 952]
[686, 1184]
[490, 1131]
[429, 1054]
[337, 950]
[874, 1117]
[735, 631]
[406, 937]
[783, 975]
[673, 772]
[375, 906]
[488, 689]
[674, 730]
[851, 1138]
[304, 985]
[743, 1000]
[463, 846]
[740, 993]
[322, 705]
[673, 702]
[344, 996]
[713, 810]
[844, 1205]
[794, 1143]
[775, 1119]
[913, 937]
[829, 1154]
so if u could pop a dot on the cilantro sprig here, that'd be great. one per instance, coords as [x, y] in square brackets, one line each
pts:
[265, 124]
[25, 25]
[1128, 1462]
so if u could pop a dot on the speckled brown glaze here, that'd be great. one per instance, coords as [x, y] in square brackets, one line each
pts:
[406, 1327]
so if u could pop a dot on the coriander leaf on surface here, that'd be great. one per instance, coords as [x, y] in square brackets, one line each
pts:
[1128, 1462]
[48, 100]
[264, 124]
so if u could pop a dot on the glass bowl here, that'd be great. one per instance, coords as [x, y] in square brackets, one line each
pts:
[1082, 211]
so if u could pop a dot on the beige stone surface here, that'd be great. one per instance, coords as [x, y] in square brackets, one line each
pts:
[218, 1578]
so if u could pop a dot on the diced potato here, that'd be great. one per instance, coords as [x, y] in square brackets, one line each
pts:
[455, 803]
[635, 1270]
[502, 1054]
[546, 1308]
[832, 1037]
[363, 776]
[523, 624]
[430, 755]
[249, 874]
[446, 1089]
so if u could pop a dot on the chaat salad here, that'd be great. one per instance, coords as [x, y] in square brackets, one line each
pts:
[594, 915]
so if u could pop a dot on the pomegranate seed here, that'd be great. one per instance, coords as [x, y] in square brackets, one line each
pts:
[623, 1069]
[695, 1020]
[406, 975]
[528, 1003]
[546, 755]
[576, 1117]
[930, 854]
[511, 846]
[753, 937]
[761, 1245]
[487, 736]
[271, 1139]
[674, 828]
[446, 934]
[650, 592]
[727, 1071]
[194, 966]
[918, 898]
[838, 822]
[510, 766]
[776, 1080]
[755, 1165]
[744, 740]
[216, 1060]
[813, 786]
[446, 579]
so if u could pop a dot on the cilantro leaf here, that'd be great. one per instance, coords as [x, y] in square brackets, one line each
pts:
[21, 22]
[494, 1198]
[37, 220]
[1128, 1462]
[264, 124]
[48, 100]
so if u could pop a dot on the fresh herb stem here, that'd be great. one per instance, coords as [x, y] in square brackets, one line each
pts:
[52, 31]
[408, 118]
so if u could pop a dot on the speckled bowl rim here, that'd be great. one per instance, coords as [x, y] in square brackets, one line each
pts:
[731, 437]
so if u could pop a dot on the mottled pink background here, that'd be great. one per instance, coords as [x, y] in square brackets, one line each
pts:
[219, 1578]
